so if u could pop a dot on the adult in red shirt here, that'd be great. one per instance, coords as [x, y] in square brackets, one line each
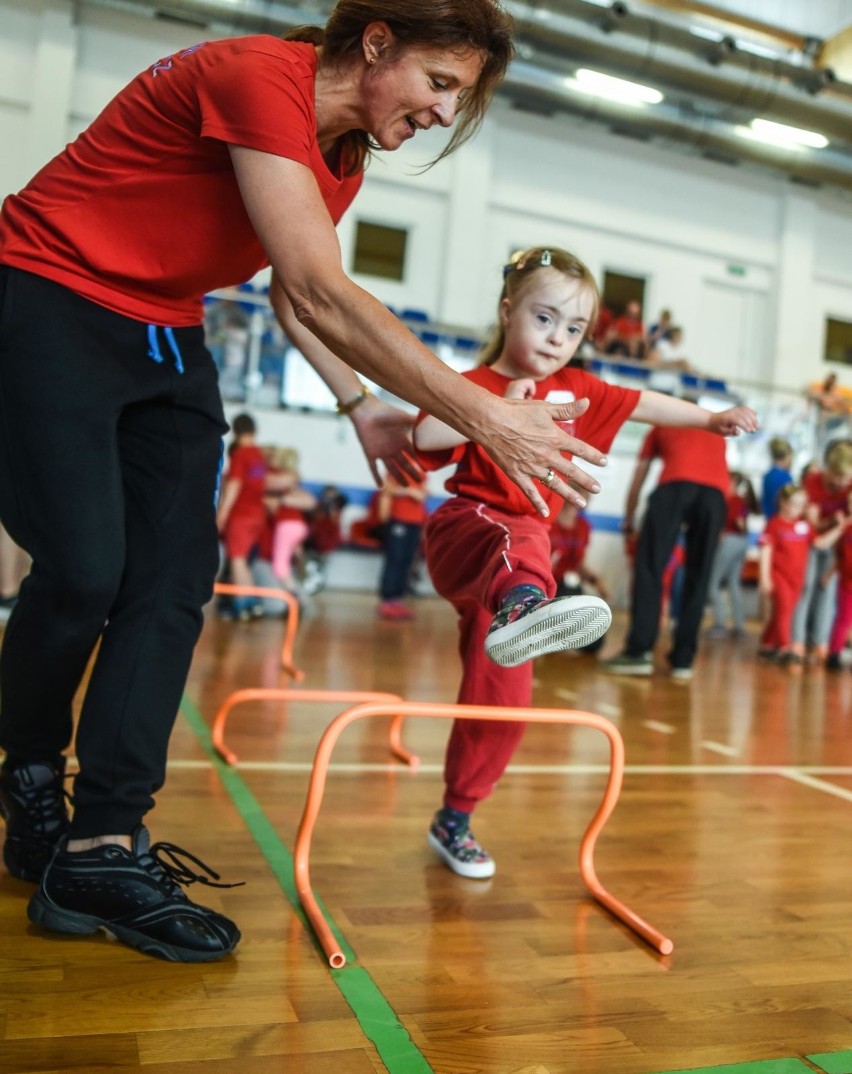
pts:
[212, 163]
[689, 499]
[626, 334]
[488, 550]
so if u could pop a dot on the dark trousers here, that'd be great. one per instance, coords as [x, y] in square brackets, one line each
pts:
[109, 465]
[677, 507]
[400, 541]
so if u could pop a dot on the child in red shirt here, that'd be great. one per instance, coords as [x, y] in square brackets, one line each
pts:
[402, 513]
[785, 545]
[569, 539]
[843, 614]
[241, 515]
[488, 550]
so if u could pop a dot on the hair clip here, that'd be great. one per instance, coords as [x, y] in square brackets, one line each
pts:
[546, 259]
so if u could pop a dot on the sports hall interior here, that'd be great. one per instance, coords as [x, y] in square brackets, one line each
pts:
[730, 832]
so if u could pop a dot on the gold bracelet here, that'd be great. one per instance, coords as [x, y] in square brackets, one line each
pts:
[348, 407]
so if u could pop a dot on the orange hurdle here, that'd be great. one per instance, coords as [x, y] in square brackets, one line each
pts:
[217, 731]
[399, 710]
[292, 618]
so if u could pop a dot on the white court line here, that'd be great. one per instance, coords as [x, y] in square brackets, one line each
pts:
[802, 774]
[818, 784]
[609, 710]
[566, 695]
[663, 728]
[719, 747]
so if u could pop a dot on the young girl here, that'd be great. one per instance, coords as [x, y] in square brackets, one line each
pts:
[843, 612]
[785, 545]
[488, 551]
[287, 503]
[730, 556]
[402, 512]
[569, 539]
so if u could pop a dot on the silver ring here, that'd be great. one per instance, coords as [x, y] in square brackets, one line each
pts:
[548, 478]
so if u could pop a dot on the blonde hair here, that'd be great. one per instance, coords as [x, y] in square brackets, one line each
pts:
[779, 449]
[838, 459]
[281, 458]
[519, 275]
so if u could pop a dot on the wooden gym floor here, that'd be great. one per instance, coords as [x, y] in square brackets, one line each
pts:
[732, 836]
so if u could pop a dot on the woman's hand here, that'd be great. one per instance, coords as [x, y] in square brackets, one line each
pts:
[385, 435]
[733, 421]
[523, 439]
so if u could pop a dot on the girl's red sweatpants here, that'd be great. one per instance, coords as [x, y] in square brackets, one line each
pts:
[475, 555]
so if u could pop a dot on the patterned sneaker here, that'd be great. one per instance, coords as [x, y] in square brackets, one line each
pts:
[134, 897]
[32, 802]
[529, 625]
[458, 849]
[625, 664]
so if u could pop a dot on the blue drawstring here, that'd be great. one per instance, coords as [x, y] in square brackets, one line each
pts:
[170, 336]
[219, 469]
[154, 351]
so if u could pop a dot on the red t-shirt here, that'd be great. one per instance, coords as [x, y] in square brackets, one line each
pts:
[479, 478]
[829, 500]
[408, 509]
[688, 455]
[737, 513]
[569, 545]
[790, 540]
[142, 213]
[248, 466]
[628, 327]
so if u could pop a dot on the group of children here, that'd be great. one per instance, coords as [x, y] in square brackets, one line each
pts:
[515, 582]
[263, 516]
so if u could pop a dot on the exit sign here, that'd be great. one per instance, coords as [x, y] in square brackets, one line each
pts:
[736, 270]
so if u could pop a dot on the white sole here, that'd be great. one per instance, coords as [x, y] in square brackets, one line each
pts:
[564, 623]
[472, 870]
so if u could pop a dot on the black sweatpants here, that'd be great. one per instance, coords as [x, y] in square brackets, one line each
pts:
[676, 507]
[109, 464]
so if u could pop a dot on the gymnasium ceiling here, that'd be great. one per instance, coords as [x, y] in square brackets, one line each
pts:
[719, 65]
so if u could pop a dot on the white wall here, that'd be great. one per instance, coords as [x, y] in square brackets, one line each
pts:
[716, 244]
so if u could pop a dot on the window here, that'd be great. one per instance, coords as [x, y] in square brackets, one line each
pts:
[379, 250]
[838, 341]
[619, 289]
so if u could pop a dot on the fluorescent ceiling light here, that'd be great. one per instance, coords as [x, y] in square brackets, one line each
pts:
[615, 89]
[764, 130]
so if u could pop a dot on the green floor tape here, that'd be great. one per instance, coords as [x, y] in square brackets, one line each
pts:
[372, 1011]
[833, 1062]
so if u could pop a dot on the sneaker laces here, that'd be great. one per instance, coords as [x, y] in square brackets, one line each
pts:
[46, 806]
[169, 862]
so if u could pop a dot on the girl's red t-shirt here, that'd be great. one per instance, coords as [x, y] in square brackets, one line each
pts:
[479, 478]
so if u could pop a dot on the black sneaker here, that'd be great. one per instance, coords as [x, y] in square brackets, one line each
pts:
[32, 802]
[529, 625]
[134, 897]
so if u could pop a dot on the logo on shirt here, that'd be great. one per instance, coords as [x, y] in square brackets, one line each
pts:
[166, 64]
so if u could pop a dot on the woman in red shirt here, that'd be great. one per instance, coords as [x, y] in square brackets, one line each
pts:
[211, 164]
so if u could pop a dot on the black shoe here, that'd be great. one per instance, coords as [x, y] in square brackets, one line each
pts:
[832, 662]
[32, 802]
[134, 896]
